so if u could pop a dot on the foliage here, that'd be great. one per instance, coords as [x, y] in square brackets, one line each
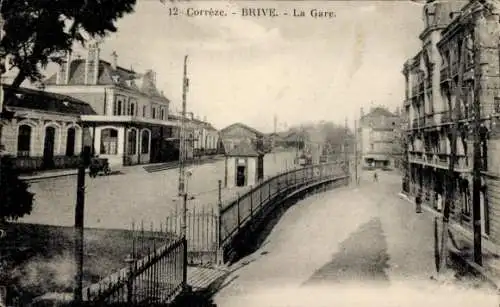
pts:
[41, 31]
[15, 199]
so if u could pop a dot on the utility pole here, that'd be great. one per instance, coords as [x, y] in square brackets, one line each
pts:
[356, 150]
[182, 151]
[452, 162]
[346, 159]
[79, 223]
[476, 172]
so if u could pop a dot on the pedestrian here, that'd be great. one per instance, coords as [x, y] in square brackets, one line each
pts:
[375, 176]
[418, 202]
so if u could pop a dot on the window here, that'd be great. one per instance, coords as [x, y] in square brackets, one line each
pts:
[145, 142]
[162, 114]
[497, 104]
[131, 109]
[24, 141]
[109, 141]
[144, 111]
[132, 142]
[153, 111]
[70, 142]
[371, 147]
[118, 109]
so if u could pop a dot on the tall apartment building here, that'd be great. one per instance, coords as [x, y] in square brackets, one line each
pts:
[377, 132]
[457, 66]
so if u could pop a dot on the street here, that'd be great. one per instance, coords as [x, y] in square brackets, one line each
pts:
[346, 239]
[115, 201]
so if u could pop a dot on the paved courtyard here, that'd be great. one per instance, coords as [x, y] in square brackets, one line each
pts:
[348, 247]
[117, 200]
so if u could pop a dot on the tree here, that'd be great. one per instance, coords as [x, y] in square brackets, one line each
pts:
[15, 199]
[38, 32]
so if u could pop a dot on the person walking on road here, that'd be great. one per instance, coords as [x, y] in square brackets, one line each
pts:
[375, 177]
[418, 202]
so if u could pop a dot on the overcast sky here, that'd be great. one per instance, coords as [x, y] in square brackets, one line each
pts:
[246, 69]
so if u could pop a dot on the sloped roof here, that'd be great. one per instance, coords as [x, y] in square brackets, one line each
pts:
[127, 79]
[241, 125]
[45, 101]
[379, 111]
[244, 150]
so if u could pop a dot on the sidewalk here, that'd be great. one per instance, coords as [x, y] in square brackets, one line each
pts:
[122, 169]
[463, 238]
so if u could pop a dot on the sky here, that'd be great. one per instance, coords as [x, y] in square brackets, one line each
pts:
[247, 69]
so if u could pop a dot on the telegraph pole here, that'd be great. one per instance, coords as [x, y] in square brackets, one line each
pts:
[182, 151]
[452, 162]
[356, 150]
[476, 172]
[346, 159]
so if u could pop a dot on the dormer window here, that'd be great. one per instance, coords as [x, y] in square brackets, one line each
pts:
[116, 78]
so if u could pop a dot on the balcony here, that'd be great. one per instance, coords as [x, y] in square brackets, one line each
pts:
[454, 68]
[445, 117]
[462, 164]
[445, 74]
[429, 120]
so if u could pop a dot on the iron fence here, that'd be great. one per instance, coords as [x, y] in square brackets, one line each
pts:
[233, 216]
[156, 278]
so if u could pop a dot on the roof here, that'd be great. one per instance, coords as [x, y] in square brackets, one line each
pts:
[241, 125]
[45, 101]
[379, 111]
[207, 125]
[127, 79]
[244, 150]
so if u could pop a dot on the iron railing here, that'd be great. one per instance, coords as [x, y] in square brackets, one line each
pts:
[157, 278]
[242, 210]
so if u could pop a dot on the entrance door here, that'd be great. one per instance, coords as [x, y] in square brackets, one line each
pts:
[48, 147]
[240, 176]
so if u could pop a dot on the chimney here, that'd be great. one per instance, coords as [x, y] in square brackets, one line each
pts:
[114, 60]
[92, 63]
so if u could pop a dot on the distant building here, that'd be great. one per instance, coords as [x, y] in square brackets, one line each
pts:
[45, 131]
[238, 133]
[377, 132]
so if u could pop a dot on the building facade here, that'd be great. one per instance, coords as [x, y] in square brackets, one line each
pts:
[377, 133]
[132, 124]
[45, 131]
[238, 133]
[456, 70]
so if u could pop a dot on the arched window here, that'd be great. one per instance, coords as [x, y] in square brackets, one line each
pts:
[109, 141]
[145, 142]
[118, 107]
[70, 142]
[132, 142]
[24, 141]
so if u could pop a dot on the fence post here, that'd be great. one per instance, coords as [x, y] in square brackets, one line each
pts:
[238, 207]
[220, 253]
[260, 192]
[184, 264]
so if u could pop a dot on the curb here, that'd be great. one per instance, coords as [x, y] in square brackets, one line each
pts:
[471, 265]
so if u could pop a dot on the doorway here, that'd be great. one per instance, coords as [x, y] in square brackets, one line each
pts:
[240, 176]
[48, 147]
